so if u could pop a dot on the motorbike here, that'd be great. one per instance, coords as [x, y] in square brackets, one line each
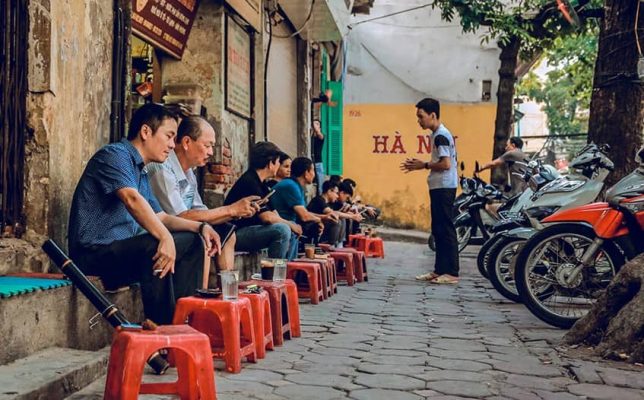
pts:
[562, 269]
[582, 187]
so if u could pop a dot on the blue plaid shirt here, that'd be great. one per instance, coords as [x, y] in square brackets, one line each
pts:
[98, 216]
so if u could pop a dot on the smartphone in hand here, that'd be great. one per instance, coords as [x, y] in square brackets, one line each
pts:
[265, 199]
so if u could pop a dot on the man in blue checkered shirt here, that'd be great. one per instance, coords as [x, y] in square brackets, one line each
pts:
[117, 229]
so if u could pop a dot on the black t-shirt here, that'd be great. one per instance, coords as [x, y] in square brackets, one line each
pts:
[317, 205]
[248, 185]
[317, 144]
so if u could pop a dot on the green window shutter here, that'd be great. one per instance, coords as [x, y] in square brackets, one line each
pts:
[324, 110]
[333, 141]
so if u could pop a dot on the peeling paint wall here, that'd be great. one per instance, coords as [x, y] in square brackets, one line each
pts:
[70, 58]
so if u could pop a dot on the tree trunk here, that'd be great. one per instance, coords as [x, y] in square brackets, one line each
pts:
[617, 103]
[615, 324]
[505, 105]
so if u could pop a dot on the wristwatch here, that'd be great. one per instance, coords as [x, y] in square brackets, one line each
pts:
[426, 165]
[201, 226]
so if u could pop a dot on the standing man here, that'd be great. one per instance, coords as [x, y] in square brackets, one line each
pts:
[175, 186]
[442, 182]
[517, 164]
[317, 143]
[117, 229]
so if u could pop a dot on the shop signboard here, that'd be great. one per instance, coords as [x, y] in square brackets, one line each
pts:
[250, 10]
[165, 24]
[238, 68]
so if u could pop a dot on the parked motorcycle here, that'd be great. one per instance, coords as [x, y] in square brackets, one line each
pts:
[583, 187]
[562, 270]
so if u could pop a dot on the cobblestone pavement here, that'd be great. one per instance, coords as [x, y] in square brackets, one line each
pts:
[396, 338]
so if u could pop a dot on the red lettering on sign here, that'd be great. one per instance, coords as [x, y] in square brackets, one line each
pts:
[424, 142]
[380, 141]
[398, 148]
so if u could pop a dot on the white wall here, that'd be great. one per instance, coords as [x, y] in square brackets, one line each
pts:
[403, 58]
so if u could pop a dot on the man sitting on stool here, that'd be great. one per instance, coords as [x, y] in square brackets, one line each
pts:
[175, 185]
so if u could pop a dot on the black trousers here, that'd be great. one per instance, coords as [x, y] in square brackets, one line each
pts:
[128, 261]
[442, 201]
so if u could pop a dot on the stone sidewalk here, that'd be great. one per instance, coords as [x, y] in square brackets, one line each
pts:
[396, 338]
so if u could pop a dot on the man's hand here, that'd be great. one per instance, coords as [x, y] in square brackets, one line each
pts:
[412, 164]
[332, 217]
[165, 256]
[295, 228]
[211, 239]
[371, 211]
[245, 208]
[357, 217]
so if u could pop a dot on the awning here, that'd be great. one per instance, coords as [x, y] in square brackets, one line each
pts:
[328, 22]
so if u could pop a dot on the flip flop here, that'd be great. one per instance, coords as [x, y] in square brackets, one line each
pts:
[444, 280]
[427, 277]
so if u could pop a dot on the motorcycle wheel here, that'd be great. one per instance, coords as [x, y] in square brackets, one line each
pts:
[544, 264]
[500, 268]
[483, 254]
[463, 235]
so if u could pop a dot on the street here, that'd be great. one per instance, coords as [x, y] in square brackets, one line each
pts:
[397, 338]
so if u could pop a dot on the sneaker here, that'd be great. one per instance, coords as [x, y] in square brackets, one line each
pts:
[427, 277]
[444, 279]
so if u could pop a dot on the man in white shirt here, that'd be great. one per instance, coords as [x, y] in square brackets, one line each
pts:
[175, 186]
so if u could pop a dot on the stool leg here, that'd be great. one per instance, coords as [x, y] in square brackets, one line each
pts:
[186, 369]
[314, 287]
[294, 310]
[205, 372]
[232, 344]
[248, 332]
[351, 279]
[113, 384]
[268, 326]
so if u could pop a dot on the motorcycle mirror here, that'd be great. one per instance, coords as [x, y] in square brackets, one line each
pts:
[462, 166]
[477, 168]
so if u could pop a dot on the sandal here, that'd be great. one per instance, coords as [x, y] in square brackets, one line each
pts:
[444, 280]
[427, 277]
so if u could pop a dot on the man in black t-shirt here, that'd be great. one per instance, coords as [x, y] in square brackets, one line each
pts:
[266, 229]
[330, 203]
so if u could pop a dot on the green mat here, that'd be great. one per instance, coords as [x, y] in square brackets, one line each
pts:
[12, 285]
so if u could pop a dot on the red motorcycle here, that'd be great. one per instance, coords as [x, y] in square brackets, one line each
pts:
[563, 269]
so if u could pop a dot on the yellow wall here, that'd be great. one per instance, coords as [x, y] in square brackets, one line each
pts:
[404, 198]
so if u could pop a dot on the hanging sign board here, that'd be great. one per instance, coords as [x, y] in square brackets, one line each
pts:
[165, 24]
[238, 69]
[250, 10]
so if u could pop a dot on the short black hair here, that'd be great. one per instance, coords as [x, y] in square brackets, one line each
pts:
[346, 188]
[300, 165]
[284, 157]
[350, 182]
[335, 178]
[262, 154]
[328, 185]
[517, 142]
[150, 114]
[190, 126]
[430, 105]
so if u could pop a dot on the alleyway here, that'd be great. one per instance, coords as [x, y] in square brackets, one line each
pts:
[395, 338]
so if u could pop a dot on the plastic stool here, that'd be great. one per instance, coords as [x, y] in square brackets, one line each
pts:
[353, 240]
[280, 307]
[293, 307]
[315, 289]
[344, 259]
[131, 349]
[261, 305]
[216, 318]
[359, 263]
[328, 274]
[372, 246]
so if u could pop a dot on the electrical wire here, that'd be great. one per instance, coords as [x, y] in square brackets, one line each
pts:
[297, 32]
[637, 38]
[350, 26]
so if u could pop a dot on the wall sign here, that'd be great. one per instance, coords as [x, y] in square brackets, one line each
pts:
[238, 69]
[250, 10]
[165, 24]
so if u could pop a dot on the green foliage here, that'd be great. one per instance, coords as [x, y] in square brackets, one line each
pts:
[566, 90]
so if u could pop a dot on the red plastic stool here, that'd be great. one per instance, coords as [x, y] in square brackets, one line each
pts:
[293, 307]
[345, 260]
[359, 263]
[228, 324]
[261, 305]
[328, 274]
[372, 246]
[353, 240]
[280, 307]
[315, 288]
[131, 349]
